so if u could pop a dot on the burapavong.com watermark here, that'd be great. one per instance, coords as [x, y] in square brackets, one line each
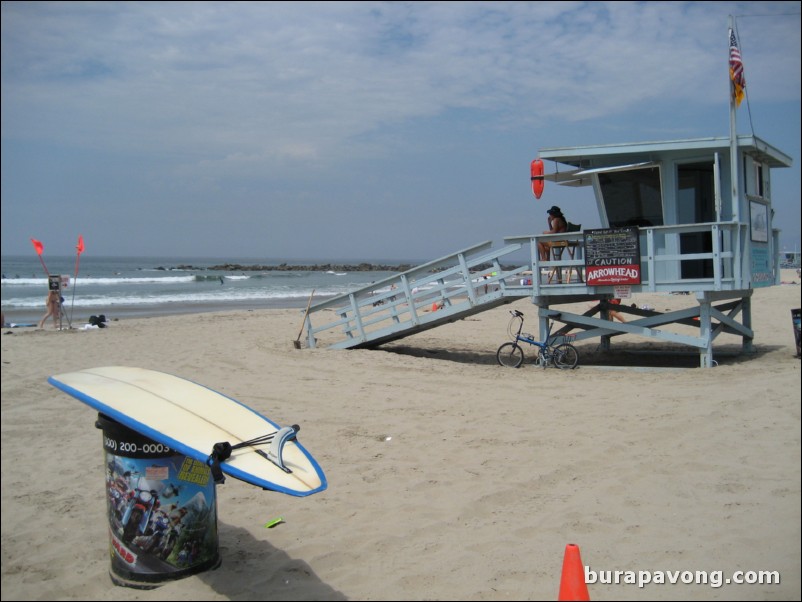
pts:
[712, 578]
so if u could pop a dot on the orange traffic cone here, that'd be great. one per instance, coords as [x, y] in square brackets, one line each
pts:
[572, 584]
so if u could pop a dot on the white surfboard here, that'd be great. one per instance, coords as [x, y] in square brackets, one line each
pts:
[191, 418]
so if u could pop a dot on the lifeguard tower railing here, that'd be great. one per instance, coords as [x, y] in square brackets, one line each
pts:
[662, 260]
[429, 295]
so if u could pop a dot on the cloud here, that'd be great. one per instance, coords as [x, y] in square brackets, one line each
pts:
[215, 95]
[273, 78]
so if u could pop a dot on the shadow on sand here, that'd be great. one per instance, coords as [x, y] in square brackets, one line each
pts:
[255, 570]
[626, 355]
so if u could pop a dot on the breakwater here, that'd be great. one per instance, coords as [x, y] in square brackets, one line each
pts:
[286, 267]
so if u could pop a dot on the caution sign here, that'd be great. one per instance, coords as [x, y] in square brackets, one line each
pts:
[612, 256]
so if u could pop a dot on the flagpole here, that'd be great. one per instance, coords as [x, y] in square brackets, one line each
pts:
[42, 261]
[74, 284]
[80, 249]
[736, 213]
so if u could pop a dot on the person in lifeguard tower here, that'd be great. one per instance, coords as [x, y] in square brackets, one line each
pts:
[557, 224]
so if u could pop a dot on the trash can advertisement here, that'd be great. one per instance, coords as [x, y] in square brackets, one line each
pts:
[162, 510]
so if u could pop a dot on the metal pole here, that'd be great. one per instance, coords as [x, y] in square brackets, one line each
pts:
[733, 148]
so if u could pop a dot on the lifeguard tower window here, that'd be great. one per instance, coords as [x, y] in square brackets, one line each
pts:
[755, 185]
[696, 204]
[632, 197]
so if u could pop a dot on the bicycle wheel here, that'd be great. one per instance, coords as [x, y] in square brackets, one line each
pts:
[510, 355]
[565, 356]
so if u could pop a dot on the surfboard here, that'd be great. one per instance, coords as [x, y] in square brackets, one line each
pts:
[192, 418]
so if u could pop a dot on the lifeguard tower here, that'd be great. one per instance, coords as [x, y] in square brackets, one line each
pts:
[686, 216]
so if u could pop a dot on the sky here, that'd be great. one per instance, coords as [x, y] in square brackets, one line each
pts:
[358, 130]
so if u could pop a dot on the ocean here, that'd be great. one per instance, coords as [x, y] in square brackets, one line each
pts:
[124, 287]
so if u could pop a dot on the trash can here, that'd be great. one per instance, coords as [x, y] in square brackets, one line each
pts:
[162, 510]
[795, 318]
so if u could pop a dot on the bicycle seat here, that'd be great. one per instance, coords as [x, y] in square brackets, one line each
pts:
[517, 313]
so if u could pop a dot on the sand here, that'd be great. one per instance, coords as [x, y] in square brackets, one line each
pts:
[450, 477]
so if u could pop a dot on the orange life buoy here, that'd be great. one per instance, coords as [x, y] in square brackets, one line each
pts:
[538, 181]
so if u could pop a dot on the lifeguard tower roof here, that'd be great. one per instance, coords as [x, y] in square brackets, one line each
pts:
[590, 159]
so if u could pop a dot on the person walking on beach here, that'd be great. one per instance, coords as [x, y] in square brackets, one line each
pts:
[53, 304]
[557, 224]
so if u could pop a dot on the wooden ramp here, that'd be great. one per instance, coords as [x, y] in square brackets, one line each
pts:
[430, 295]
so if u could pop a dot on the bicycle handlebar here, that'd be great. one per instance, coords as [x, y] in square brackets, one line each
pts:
[518, 314]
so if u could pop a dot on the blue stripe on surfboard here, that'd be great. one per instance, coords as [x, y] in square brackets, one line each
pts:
[191, 452]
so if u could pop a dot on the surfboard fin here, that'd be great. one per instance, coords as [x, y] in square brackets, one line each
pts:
[276, 450]
[222, 451]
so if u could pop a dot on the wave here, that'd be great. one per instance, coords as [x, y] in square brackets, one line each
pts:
[217, 297]
[207, 278]
[113, 281]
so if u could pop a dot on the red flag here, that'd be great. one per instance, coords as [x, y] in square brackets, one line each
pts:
[80, 246]
[40, 248]
[736, 71]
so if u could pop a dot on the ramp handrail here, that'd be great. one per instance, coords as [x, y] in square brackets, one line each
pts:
[401, 304]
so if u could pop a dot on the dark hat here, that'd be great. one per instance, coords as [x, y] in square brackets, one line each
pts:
[555, 210]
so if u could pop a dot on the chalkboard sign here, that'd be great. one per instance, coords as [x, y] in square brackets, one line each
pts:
[612, 256]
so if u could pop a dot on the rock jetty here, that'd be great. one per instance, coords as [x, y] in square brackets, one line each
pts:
[285, 267]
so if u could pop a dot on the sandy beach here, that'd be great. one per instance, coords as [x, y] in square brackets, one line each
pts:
[450, 477]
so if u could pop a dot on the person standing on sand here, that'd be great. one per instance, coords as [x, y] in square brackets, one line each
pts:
[53, 304]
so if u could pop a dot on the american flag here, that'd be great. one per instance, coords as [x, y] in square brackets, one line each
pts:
[736, 71]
